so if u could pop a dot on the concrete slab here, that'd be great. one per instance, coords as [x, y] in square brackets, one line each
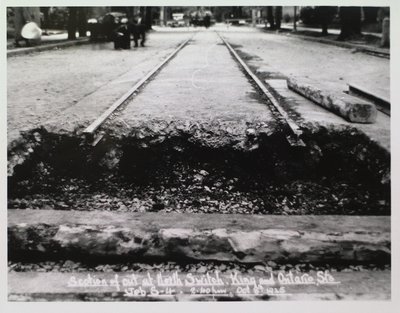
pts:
[351, 108]
[237, 238]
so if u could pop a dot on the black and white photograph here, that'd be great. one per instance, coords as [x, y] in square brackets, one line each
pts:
[198, 153]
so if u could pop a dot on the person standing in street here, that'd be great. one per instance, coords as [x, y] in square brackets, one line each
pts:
[122, 36]
[207, 21]
[139, 30]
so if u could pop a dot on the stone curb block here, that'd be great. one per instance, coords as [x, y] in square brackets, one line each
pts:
[351, 108]
[177, 239]
[45, 47]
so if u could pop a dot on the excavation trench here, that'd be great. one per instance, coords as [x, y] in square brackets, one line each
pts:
[198, 171]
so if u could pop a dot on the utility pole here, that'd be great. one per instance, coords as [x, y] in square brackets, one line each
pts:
[294, 19]
[72, 22]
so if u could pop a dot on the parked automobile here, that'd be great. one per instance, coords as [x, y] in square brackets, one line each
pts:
[178, 20]
[237, 21]
[103, 27]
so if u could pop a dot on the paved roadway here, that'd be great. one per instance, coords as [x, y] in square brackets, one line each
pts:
[68, 88]
[202, 83]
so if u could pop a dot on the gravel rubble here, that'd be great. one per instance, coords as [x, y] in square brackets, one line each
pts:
[198, 190]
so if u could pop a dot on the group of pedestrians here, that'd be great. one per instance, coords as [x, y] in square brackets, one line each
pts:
[135, 27]
[28, 19]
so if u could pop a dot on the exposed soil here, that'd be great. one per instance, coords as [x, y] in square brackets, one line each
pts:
[337, 173]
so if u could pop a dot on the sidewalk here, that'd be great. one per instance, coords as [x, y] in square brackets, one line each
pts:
[333, 31]
[51, 37]
[54, 39]
[370, 43]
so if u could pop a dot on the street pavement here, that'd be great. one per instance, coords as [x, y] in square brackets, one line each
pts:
[335, 66]
[202, 83]
[68, 88]
[65, 88]
[278, 57]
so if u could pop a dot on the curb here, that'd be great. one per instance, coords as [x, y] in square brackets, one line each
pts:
[169, 236]
[45, 47]
[383, 53]
[351, 108]
[362, 48]
[382, 103]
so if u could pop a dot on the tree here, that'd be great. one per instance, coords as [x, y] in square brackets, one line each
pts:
[274, 17]
[77, 19]
[324, 15]
[350, 22]
[72, 22]
[148, 17]
[278, 17]
[270, 17]
[370, 14]
[237, 12]
[45, 11]
[307, 15]
[82, 21]
[221, 13]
